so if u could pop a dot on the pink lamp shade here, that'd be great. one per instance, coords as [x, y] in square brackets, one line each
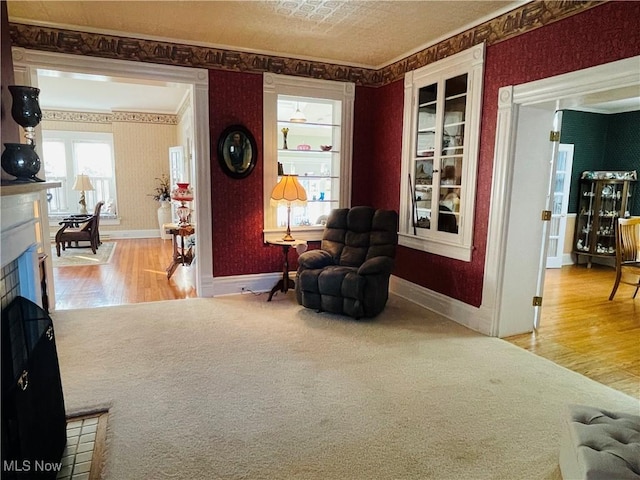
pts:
[182, 192]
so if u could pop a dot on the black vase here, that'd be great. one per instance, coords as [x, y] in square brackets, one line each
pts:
[21, 161]
[25, 108]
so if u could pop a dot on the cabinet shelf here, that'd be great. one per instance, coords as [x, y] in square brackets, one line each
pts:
[307, 124]
[305, 152]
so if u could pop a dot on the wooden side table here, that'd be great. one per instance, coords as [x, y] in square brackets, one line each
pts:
[285, 283]
[181, 256]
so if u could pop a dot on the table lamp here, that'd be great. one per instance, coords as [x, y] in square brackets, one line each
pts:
[288, 190]
[82, 184]
[182, 193]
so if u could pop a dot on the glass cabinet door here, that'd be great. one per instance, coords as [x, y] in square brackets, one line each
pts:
[584, 220]
[439, 154]
[424, 155]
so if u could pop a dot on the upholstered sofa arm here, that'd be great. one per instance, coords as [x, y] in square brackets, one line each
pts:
[315, 259]
[376, 265]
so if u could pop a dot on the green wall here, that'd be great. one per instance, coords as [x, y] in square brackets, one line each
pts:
[602, 142]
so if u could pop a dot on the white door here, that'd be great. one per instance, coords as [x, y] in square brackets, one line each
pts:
[177, 168]
[559, 206]
[177, 172]
[526, 252]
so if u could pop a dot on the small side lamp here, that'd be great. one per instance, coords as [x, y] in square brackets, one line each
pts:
[288, 191]
[82, 184]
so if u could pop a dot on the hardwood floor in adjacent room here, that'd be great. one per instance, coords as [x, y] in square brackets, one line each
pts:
[583, 331]
[135, 274]
[580, 328]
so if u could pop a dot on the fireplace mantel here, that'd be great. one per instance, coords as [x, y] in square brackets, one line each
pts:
[22, 188]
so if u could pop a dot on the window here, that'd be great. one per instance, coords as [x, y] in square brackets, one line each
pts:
[67, 154]
[442, 106]
[307, 132]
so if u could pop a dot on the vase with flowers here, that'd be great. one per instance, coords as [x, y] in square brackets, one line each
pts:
[162, 194]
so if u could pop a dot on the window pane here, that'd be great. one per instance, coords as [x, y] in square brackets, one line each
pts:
[93, 159]
[423, 175]
[456, 86]
[54, 159]
[428, 94]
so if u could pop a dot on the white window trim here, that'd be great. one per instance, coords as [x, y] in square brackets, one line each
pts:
[458, 246]
[274, 85]
[69, 137]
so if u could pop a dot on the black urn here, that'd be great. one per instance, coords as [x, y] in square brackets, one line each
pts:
[21, 161]
[25, 108]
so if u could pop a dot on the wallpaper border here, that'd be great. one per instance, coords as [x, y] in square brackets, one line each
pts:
[90, 117]
[515, 22]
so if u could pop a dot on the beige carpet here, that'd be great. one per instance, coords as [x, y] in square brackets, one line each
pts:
[82, 257]
[238, 388]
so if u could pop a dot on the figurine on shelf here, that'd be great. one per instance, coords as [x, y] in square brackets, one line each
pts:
[285, 131]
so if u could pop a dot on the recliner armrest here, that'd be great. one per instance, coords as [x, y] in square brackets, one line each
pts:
[376, 265]
[315, 259]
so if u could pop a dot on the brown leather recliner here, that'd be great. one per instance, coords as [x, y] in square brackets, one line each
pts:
[350, 272]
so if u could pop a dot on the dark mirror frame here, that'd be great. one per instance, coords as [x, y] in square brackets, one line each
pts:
[244, 161]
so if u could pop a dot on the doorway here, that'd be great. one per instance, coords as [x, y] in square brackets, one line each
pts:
[26, 64]
[614, 81]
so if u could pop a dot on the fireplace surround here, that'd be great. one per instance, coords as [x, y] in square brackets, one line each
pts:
[22, 209]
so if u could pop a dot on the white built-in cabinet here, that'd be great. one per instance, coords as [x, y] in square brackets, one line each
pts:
[442, 107]
[308, 130]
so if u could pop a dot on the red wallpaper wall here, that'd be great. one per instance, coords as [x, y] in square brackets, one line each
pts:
[602, 34]
[377, 146]
[236, 204]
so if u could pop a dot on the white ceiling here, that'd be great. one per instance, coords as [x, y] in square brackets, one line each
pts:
[96, 93]
[368, 33]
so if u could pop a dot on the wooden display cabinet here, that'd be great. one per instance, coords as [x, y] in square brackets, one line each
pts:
[602, 201]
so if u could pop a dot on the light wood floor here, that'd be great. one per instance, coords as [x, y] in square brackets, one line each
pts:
[580, 328]
[136, 274]
[583, 331]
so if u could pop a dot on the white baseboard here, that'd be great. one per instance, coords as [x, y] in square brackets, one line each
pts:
[460, 312]
[233, 285]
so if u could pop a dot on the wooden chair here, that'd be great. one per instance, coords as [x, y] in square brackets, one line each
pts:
[80, 228]
[627, 253]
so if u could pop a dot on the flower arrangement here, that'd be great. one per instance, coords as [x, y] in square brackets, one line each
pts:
[163, 190]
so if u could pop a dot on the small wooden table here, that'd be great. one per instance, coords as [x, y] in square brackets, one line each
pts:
[285, 283]
[181, 256]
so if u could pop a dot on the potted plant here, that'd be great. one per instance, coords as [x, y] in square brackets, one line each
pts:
[162, 191]
[162, 194]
